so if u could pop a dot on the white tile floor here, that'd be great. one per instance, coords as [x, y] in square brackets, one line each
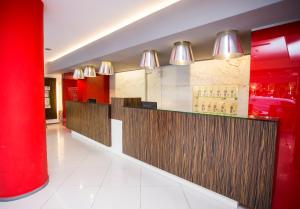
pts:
[86, 177]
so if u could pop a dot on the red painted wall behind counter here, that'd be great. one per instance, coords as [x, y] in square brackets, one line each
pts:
[81, 90]
[275, 92]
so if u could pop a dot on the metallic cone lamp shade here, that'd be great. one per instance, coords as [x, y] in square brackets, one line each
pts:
[149, 60]
[89, 71]
[78, 74]
[182, 53]
[106, 68]
[227, 45]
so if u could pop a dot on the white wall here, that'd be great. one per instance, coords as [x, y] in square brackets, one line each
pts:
[172, 87]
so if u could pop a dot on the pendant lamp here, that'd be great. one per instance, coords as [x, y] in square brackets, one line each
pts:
[149, 60]
[182, 53]
[106, 68]
[227, 45]
[78, 74]
[89, 71]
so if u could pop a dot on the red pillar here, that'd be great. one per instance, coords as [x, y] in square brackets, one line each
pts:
[23, 158]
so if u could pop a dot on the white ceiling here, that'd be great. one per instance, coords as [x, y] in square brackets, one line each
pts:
[71, 24]
[194, 20]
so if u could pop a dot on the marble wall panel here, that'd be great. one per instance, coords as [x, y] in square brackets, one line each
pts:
[172, 86]
[225, 72]
[154, 87]
[130, 84]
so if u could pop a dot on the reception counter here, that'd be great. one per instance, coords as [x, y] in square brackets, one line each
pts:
[90, 120]
[232, 156]
[229, 155]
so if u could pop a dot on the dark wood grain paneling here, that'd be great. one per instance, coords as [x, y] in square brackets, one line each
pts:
[117, 105]
[91, 120]
[231, 156]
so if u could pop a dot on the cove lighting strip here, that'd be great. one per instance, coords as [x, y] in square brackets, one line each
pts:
[137, 16]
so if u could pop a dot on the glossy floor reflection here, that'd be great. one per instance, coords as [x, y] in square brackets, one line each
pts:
[85, 177]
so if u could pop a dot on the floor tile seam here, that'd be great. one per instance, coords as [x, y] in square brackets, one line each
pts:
[141, 188]
[185, 197]
[101, 186]
[121, 187]
[57, 188]
[160, 186]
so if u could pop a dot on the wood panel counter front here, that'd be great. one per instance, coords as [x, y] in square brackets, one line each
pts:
[90, 120]
[228, 155]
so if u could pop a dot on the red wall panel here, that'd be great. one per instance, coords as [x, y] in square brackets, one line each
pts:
[23, 158]
[97, 88]
[81, 90]
[275, 92]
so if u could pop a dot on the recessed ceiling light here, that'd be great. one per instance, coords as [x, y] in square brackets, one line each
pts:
[125, 22]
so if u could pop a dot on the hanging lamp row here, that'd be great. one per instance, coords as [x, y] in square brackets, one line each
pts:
[89, 71]
[181, 54]
[227, 45]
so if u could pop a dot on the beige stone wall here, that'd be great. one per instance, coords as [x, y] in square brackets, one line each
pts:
[128, 84]
[172, 87]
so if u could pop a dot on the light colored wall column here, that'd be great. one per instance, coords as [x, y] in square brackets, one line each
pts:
[116, 136]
